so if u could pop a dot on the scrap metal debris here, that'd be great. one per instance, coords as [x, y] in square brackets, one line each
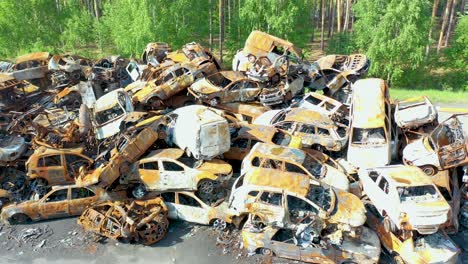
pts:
[128, 143]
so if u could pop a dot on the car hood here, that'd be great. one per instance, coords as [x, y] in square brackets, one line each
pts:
[203, 86]
[414, 113]
[416, 150]
[265, 118]
[350, 209]
[216, 166]
[368, 156]
[336, 178]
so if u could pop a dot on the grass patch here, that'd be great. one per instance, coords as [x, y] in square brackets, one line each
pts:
[436, 96]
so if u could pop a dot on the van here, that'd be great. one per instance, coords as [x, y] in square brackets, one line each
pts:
[370, 124]
[200, 131]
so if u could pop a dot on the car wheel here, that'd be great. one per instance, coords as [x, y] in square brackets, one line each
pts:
[265, 251]
[387, 224]
[219, 224]
[206, 186]
[139, 191]
[215, 101]
[429, 170]
[19, 219]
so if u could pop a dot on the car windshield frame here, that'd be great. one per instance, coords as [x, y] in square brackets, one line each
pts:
[98, 116]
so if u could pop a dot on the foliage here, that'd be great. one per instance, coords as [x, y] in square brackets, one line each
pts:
[457, 54]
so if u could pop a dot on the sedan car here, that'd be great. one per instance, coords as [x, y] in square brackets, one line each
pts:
[415, 112]
[61, 201]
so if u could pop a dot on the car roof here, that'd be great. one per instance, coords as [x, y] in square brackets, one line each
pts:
[369, 103]
[200, 113]
[402, 175]
[260, 42]
[257, 131]
[108, 100]
[307, 116]
[279, 152]
[233, 75]
[33, 56]
[169, 153]
[46, 151]
[292, 182]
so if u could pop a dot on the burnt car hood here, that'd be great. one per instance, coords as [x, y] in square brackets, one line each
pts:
[349, 209]
[216, 166]
[203, 86]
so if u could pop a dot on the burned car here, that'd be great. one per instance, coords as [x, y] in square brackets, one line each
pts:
[244, 112]
[304, 246]
[171, 81]
[31, 67]
[268, 158]
[61, 201]
[135, 221]
[445, 147]
[415, 112]
[288, 200]
[48, 167]
[225, 87]
[187, 206]
[108, 74]
[200, 131]
[406, 198]
[315, 129]
[283, 92]
[247, 136]
[169, 170]
[325, 105]
[155, 53]
[15, 95]
[195, 53]
[68, 69]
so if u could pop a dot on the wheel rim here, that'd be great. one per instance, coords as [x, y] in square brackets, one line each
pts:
[266, 251]
[219, 224]
[206, 187]
[428, 170]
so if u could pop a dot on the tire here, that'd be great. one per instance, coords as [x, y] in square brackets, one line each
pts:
[265, 251]
[387, 224]
[19, 219]
[215, 101]
[429, 170]
[219, 224]
[139, 191]
[206, 186]
[84, 119]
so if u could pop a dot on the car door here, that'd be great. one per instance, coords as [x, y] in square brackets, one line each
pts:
[50, 167]
[233, 92]
[191, 209]
[269, 207]
[54, 204]
[249, 91]
[170, 202]
[81, 197]
[239, 149]
[149, 174]
[175, 176]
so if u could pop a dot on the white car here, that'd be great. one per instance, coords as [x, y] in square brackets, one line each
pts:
[415, 112]
[406, 197]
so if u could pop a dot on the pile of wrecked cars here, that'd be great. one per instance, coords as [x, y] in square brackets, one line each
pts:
[311, 161]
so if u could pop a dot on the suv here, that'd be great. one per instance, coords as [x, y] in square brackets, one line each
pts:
[168, 169]
[273, 159]
[48, 167]
[290, 199]
[315, 129]
[405, 197]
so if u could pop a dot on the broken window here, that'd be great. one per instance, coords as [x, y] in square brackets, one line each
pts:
[383, 185]
[172, 166]
[49, 161]
[321, 196]
[307, 129]
[80, 193]
[168, 197]
[110, 114]
[311, 99]
[368, 136]
[285, 126]
[271, 164]
[256, 162]
[313, 166]
[235, 87]
[180, 71]
[74, 162]
[57, 196]
[149, 165]
[253, 193]
[322, 131]
[240, 143]
[272, 198]
[253, 142]
[187, 200]
[249, 85]
[280, 138]
[293, 168]
[300, 210]
[417, 192]
[374, 175]
[284, 235]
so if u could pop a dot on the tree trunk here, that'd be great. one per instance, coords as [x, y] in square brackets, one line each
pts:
[434, 13]
[451, 22]
[339, 8]
[348, 10]
[312, 20]
[210, 6]
[323, 26]
[221, 29]
[96, 9]
[331, 20]
[444, 24]
[229, 15]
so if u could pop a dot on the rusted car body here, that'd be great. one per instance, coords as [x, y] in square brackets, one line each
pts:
[409, 248]
[269, 158]
[195, 53]
[15, 95]
[13, 186]
[288, 200]
[248, 135]
[285, 243]
[168, 170]
[108, 74]
[371, 133]
[124, 154]
[447, 182]
[136, 221]
[415, 112]
[68, 69]
[315, 129]
[406, 197]
[200, 131]
[444, 148]
[225, 87]
[171, 81]
[48, 167]
[61, 201]
[155, 52]
[187, 206]
[356, 62]
[325, 105]
[31, 66]
[244, 112]
[283, 92]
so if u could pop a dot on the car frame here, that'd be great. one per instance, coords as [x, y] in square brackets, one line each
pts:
[415, 112]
